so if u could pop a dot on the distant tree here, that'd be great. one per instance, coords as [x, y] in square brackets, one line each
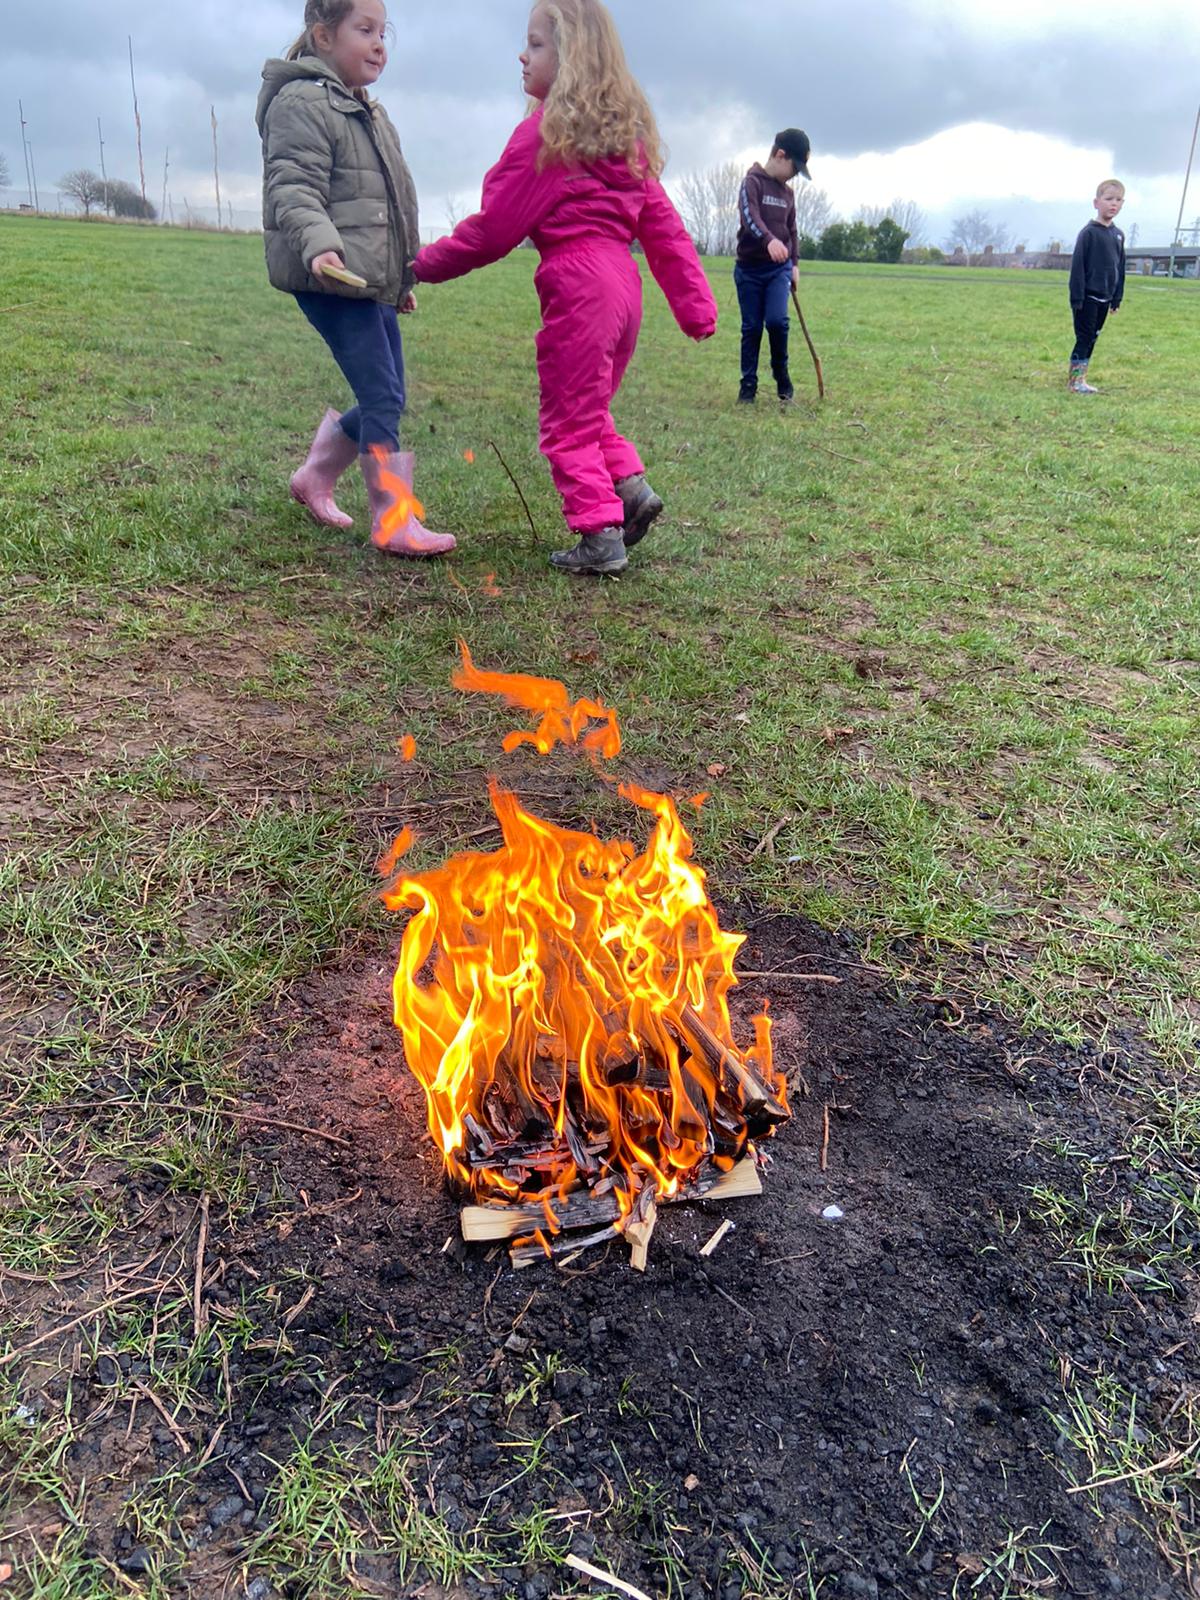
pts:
[814, 210]
[126, 201]
[3, 172]
[847, 241]
[695, 207]
[809, 247]
[724, 188]
[84, 186]
[924, 255]
[890, 238]
[974, 233]
[455, 211]
[907, 214]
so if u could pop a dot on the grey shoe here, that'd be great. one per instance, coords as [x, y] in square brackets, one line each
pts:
[641, 504]
[598, 554]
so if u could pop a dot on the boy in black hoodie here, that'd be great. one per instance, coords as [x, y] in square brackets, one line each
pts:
[1097, 280]
[768, 255]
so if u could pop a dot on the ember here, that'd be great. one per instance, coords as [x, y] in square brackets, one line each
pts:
[574, 1040]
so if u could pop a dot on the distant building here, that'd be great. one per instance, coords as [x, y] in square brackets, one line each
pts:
[1054, 258]
[1156, 260]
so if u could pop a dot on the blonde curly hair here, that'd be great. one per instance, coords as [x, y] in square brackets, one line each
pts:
[595, 107]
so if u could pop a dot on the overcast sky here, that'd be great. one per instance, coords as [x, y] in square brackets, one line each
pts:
[1017, 108]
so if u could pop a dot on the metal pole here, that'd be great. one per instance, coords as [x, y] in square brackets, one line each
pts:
[1183, 197]
[25, 150]
[216, 163]
[137, 120]
[166, 169]
[103, 168]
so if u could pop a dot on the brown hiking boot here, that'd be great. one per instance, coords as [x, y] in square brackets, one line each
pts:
[641, 504]
[597, 555]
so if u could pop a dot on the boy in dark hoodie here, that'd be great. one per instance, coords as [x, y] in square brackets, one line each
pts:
[768, 255]
[1097, 280]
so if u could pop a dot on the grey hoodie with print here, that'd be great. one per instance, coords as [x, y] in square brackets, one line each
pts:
[334, 178]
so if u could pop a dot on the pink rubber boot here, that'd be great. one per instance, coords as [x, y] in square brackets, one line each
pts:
[330, 453]
[395, 528]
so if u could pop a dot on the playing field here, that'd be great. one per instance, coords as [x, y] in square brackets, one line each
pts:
[931, 647]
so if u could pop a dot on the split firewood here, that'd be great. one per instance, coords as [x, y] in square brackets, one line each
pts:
[563, 1244]
[640, 1224]
[758, 1098]
[710, 1247]
[581, 1210]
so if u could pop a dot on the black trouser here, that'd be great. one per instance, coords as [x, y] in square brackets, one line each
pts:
[1090, 317]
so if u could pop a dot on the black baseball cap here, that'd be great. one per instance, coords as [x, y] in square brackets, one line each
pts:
[794, 142]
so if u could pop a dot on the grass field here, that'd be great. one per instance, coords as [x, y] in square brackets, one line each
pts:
[934, 648]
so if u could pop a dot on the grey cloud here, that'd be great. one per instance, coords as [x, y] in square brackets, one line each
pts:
[869, 75]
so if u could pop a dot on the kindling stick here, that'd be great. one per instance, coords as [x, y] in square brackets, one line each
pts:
[812, 349]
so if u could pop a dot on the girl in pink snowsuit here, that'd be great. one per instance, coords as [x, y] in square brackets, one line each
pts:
[580, 178]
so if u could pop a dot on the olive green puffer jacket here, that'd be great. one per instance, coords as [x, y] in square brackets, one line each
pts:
[334, 178]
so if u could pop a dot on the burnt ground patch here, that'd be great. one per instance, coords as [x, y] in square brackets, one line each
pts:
[897, 1401]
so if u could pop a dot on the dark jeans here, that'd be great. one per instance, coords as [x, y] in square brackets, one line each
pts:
[364, 339]
[763, 297]
[1090, 317]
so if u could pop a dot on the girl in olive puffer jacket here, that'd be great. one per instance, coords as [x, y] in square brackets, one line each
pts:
[340, 223]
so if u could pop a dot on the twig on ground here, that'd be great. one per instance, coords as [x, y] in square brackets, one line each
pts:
[97, 1311]
[517, 487]
[601, 1576]
[179, 1438]
[792, 977]
[825, 1143]
[198, 1316]
[766, 845]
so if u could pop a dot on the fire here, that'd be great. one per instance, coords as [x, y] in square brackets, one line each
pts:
[404, 503]
[563, 999]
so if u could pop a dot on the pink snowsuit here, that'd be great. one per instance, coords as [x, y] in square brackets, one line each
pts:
[583, 219]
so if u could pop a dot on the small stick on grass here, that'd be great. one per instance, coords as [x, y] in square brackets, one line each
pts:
[517, 487]
[601, 1576]
[198, 1315]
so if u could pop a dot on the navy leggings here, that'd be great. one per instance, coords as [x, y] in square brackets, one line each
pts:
[1090, 317]
[364, 339]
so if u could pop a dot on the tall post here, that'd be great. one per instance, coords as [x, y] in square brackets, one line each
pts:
[25, 151]
[137, 121]
[1183, 197]
[216, 163]
[166, 169]
[103, 168]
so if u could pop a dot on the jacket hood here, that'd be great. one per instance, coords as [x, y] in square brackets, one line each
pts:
[276, 74]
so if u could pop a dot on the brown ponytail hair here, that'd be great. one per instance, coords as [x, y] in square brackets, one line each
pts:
[319, 13]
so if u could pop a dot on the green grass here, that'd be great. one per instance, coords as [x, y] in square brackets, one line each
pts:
[941, 635]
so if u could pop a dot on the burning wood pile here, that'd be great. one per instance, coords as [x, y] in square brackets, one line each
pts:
[562, 1002]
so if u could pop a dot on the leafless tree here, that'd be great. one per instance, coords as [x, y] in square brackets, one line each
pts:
[724, 187]
[814, 210]
[455, 211]
[695, 207]
[85, 186]
[906, 213]
[3, 172]
[974, 233]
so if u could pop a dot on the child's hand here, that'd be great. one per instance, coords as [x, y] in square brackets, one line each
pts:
[778, 252]
[327, 258]
[408, 305]
[1112, 310]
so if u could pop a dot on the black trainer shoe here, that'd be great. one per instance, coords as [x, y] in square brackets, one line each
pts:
[747, 397]
[599, 555]
[641, 504]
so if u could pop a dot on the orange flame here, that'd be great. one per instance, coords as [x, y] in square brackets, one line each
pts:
[404, 503]
[562, 999]
[562, 721]
[401, 845]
